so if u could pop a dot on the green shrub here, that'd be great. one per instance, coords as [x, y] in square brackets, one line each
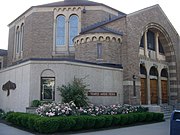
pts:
[75, 91]
[108, 120]
[47, 125]
[160, 117]
[31, 121]
[149, 117]
[35, 103]
[79, 122]
[65, 123]
[142, 117]
[89, 122]
[130, 119]
[124, 119]
[116, 120]
[99, 121]
[136, 117]
[2, 114]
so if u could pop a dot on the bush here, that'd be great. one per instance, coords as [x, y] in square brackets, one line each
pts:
[32, 120]
[47, 125]
[99, 122]
[89, 122]
[75, 91]
[2, 114]
[67, 109]
[124, 119]
[79, 122]
[131, 118]
[35, 103]
[65, 123]
[116, 120]
[149, 117]
[142, 117]
[108, 120]
[55, 124]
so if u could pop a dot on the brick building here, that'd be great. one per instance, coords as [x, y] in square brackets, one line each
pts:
[131, 58]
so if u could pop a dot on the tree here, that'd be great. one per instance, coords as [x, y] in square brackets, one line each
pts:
[75, 91]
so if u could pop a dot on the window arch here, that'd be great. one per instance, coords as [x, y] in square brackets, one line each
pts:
[60, 30]
[73, 28]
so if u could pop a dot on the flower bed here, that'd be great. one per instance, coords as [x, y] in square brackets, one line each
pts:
[67, 109]
[71, 123]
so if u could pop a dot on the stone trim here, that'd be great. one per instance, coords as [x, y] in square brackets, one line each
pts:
[108, 37]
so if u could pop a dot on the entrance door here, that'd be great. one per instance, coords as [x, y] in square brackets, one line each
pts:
[164, 91]
[153, 88]
[143, 91]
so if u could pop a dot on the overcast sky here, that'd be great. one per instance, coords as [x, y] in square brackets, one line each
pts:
[10, 9]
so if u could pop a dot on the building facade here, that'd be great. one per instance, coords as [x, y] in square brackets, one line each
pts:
[128, 58]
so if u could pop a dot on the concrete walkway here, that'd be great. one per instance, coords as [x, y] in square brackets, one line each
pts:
[161, 128]
[8, 130]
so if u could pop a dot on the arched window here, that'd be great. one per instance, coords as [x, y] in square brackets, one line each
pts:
[143, 70]
[21, 38]
[151, 40]
[17, 39]
[161, 50]
[153, 71]
[164, 73]
[48, 85]
[142, 42]
[60, 30]
[73, 28]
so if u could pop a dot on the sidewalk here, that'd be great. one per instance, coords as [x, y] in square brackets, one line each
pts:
[8, 130]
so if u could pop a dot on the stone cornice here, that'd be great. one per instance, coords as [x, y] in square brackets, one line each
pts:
[108, 37]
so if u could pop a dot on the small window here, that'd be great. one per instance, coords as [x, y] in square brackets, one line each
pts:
[60, 30]
[161, 50]
[142, 42]
[73, 28]
[47, 88]
[17, 40]
[0, 65]
[99, 51]
[22, 35]
[151, 40]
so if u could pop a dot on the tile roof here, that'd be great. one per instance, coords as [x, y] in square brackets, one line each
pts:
[70, 3]
[98, 24]
[3, 52]
[111, 65]
[76, 3]
[103, 29]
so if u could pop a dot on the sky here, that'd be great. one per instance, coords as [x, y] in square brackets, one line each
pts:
[11, 9]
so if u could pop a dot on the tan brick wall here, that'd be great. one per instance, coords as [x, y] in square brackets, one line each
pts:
[88, 52]
[136, 24]
[92, 17]
[38, 35]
